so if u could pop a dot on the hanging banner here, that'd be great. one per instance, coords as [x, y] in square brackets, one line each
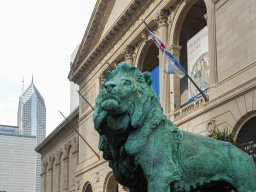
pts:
[198, 65]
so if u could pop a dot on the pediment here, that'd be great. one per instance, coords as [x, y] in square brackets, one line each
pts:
[104, 16]
[118, 7]
[110, 18]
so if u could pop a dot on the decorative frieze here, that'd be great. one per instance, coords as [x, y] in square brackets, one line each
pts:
[189, 108]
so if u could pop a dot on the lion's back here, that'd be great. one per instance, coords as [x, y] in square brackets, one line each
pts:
[204, 152]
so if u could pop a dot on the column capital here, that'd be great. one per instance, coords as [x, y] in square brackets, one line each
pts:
[129, 51]
[162, 17]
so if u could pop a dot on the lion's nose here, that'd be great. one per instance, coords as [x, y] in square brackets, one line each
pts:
[109, 86]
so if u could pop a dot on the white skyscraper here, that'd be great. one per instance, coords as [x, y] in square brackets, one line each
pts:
[74, 99]
[17, 161]
[32, 120]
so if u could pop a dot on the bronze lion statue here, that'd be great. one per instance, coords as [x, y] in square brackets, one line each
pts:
[148, 153]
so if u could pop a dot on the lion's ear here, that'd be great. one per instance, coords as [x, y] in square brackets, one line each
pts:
[108, 75]
[147, 78]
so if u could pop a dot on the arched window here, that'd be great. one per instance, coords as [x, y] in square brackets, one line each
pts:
[87, 187]
[71, 168]
[197, 66]
[246, 138]
[111, 185]
[54, 176]
[151, 64]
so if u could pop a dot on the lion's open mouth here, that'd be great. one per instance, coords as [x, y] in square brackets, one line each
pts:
[111, 105]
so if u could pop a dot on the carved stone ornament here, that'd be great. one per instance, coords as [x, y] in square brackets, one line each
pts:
[162, 17]
[129, 50]
[148, 153]
[211, 127]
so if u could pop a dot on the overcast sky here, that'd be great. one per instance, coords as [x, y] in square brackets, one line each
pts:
[37, 38]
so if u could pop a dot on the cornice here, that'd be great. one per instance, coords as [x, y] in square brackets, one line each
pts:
[94, 24]
[124, 22]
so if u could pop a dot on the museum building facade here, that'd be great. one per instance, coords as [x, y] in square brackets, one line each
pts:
[213, 39]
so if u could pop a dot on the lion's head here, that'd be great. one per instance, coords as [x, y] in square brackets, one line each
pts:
[124, 98]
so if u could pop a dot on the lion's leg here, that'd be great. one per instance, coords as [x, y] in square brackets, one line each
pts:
[244, 190]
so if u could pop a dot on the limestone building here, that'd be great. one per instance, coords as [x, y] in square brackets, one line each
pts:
[59, 153]
[225, 67]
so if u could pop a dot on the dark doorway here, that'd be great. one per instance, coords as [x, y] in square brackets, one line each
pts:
[246, 138]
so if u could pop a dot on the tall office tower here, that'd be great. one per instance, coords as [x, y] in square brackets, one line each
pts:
[74, 99]
[17, 160]
[32, 120]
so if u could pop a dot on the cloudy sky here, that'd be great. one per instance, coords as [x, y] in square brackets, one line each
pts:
[37, 38]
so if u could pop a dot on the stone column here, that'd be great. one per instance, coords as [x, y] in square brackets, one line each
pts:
[128, 54]
[164, 77]
[49, 180]
[65, 174]
[43, 181]
[211, 22]
[57, 187]
[175, 81]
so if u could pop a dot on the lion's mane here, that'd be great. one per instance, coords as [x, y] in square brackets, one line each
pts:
[121, 145]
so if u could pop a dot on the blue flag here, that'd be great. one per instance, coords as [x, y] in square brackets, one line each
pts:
[172, 66]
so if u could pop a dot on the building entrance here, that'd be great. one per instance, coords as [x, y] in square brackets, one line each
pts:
[246, 138]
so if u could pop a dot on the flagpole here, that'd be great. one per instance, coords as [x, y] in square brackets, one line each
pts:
[85, 99]
[81, 136]
[146, 25]
[109, 65]
[200, 91]
[186, 74]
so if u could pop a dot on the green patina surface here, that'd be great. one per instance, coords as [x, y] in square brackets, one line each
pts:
[147, 152]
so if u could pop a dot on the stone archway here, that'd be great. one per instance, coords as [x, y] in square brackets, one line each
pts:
[141, 54]
[188, 20]
[110, 184]
[245, 134]
[148, 61]
[87, 187]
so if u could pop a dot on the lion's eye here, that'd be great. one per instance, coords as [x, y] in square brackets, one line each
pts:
[127, 82]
